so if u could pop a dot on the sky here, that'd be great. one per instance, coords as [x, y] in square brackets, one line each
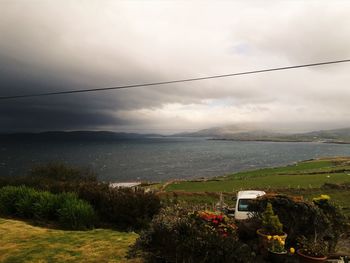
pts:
[48, 46]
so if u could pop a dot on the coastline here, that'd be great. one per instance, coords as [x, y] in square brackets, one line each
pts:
[272, 140]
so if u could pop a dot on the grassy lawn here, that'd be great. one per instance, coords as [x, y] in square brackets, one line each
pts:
[21, 242]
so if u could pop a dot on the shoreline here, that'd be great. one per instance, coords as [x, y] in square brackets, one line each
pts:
[271, 140]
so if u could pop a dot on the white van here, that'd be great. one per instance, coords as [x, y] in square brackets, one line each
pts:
[241, 211]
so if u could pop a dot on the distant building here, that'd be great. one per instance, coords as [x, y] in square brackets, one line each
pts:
[125, 185]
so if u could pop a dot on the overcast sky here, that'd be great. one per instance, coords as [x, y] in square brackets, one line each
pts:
[63, 45]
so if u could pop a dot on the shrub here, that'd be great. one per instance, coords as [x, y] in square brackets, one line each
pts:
[270, 222]
[24, 204]
[337, 221]
[177, 235]
[306, 219]
[123, 208]
[75, 213]
[8, 197]
[17, 201]
[28, 203]
[53, 177]
[46, 206]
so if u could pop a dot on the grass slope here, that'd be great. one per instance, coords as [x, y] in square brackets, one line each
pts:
[302, 179]
[309, 174]
[21, 242]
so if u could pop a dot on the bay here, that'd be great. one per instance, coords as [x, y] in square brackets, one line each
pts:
[161, 159]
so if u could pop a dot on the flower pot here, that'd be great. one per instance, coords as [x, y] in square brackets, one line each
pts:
[309, 259]
[263, 240]
[277, 257]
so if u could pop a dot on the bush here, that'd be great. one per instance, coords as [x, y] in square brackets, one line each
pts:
[179, 236]
[8, 197]
[28, 203]
[24, 204]
[125, 209]
[305, 219]
[17, 201]
[75, 213]
[121, 208]
[46, 206]
[53, 177]
[338, 224]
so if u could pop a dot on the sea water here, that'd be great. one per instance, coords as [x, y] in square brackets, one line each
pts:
[161, 159]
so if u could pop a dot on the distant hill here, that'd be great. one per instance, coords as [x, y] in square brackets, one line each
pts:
[336, 135]
[238, 133]
[220, 131]
[234, 133]
[74, 136]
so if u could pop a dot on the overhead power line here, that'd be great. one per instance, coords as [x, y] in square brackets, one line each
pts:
[172, 81]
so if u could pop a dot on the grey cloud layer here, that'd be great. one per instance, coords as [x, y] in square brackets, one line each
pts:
[50, 45]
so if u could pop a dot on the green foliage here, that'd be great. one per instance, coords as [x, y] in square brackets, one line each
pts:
[46, 206]
[301, 218]
[179, 235]
[20, 201]
[313, 247]
[121, 208]
[337, 222]
[53, 177]
[26, 198]
[8, 198]
[28, 203]
[270, 222]
[75, 213]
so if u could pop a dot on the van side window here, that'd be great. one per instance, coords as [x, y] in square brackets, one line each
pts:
[243, 205]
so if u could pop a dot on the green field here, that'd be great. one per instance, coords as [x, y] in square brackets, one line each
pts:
[303, 179]
[309, 174]
[21, 242]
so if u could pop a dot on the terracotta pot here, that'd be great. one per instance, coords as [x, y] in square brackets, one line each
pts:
[308, 259]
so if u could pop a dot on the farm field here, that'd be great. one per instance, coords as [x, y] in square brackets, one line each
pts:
[308, 174]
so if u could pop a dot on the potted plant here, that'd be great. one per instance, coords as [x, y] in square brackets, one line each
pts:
[271, 227]
[311, 251]
[277, 252]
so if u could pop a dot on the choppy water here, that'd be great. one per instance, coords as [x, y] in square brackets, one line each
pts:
[162, 158]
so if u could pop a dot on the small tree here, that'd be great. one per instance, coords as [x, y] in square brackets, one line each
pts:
[271, 222]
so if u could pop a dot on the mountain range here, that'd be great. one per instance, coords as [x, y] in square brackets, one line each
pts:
[248, 134]
[74, 136]
[234, 133]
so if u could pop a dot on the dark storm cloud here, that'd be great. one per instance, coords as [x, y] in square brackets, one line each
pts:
[48, 46]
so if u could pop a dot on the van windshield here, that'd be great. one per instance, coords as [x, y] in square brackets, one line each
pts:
[243, 205]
